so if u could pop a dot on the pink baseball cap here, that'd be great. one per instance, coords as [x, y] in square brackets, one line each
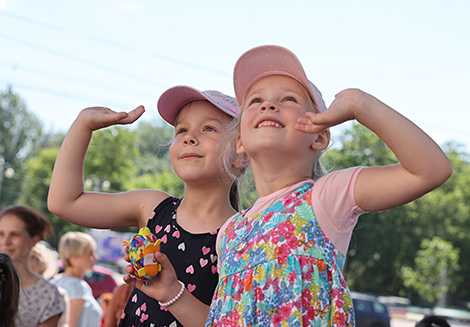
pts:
[175, 98]
[270, 60]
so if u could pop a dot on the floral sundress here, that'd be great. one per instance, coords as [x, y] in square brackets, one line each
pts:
[289, 274]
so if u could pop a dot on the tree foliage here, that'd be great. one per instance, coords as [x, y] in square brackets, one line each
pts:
[435, 266]
[20, 135]
[384, 242]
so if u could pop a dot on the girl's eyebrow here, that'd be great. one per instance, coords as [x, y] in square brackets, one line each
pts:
[205, 119]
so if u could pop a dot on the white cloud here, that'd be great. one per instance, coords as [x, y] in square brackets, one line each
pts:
[4, 4]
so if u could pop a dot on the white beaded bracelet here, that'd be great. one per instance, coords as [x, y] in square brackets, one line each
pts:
[175, 298]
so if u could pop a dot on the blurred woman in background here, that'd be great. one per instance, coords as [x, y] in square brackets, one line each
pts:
[40, 302]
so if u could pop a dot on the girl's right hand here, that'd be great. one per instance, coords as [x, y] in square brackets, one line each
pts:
[100, 117]
[163, 287]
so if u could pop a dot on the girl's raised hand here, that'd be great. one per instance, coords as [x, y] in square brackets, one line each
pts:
[100, 117]
[344, 107]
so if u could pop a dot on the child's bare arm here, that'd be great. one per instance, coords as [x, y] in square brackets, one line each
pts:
[67, 198]
[423, 165]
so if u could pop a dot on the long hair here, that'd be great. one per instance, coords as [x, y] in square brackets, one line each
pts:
[234, 164]
[9, 291]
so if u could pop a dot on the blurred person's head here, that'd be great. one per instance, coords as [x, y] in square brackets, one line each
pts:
[20, 229]
[77, 251]
[432, 321]
[9, 290]
[43, 261]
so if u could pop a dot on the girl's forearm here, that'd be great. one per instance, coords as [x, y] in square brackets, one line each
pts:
[414, 149]
[67, 183]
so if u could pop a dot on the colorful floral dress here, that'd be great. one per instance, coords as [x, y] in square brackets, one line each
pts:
[289, 274]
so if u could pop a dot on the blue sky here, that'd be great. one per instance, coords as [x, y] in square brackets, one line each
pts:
[62, 56]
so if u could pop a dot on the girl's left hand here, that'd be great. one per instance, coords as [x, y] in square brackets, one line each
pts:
[345, 107]
[163, 287]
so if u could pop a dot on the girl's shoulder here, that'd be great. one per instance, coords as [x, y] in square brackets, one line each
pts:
[163, 211]
[339, 178]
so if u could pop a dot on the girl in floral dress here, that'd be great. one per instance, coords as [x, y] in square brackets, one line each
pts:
[280, 261]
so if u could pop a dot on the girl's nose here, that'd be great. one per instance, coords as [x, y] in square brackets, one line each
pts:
[190, 139]
[267, 105]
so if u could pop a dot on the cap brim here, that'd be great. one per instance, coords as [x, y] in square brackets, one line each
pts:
[270, 60]
[174, 99]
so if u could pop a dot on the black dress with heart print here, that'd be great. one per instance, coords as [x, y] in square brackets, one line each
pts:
[192, 255]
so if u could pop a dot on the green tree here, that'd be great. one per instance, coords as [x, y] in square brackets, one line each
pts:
[166, 181]
[434, 269]
[20, 136]
[38, 173]
[383, 242]
[111, 159]
[153, 141]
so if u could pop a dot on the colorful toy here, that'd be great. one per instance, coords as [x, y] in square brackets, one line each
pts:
[141, 252]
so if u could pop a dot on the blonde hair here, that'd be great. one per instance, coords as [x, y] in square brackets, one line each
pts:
[74, 244]
[43, 261]
[234, 164]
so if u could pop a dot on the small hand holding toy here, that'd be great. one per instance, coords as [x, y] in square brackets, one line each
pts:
[141, 252]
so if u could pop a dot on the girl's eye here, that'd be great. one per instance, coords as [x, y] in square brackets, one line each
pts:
[290, 99]
[256, 100]
[181, 131]
[209, 129]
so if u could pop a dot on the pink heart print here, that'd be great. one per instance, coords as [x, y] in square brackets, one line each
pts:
[158, 228]
[191, 287]
[205, 250]
[144, 317]
[190, 270]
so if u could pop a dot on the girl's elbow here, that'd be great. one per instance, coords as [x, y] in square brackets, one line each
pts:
[443, 173]
[447, 171]
[55, 207]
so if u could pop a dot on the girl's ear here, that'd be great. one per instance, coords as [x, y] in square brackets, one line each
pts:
[321, 141]
[242, 161]
[240, 149]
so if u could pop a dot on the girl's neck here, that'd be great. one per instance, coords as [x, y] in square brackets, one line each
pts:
[74, 272]
[270, 181]
[273, 172]
[204, 209]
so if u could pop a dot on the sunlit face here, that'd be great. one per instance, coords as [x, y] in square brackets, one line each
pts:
[269, 113]
[14, 238]
[199, 136]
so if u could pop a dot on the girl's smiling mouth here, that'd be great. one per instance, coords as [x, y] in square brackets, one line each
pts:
[269, 122]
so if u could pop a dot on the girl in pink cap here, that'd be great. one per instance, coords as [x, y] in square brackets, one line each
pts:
[187, 226]
[280, 260]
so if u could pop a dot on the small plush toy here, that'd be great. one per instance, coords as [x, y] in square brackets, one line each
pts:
[141, 252]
